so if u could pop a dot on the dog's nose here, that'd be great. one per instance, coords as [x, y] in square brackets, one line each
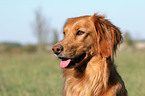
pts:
[57, 49]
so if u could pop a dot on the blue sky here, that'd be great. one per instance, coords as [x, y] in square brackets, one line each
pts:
[16, 16]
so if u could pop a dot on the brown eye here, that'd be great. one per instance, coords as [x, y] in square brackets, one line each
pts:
[64, 33]
[79, 32]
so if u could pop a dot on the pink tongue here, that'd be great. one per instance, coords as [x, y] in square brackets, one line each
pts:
[64, 64]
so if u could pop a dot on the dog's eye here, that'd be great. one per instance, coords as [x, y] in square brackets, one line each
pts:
[79, 32]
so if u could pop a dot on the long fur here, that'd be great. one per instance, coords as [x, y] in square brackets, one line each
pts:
[96, 75]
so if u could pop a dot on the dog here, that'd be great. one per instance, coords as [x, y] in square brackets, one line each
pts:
[87, 57]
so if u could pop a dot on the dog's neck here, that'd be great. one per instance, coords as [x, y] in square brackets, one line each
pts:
[92, 75]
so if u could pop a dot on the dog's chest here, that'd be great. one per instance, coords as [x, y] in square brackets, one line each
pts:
[83, 87]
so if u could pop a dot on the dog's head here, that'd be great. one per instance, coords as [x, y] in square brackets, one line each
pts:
[84, 37]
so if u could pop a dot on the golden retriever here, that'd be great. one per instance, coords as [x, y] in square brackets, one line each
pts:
[87, 57]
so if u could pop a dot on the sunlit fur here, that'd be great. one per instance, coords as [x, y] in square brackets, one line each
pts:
[96, 74]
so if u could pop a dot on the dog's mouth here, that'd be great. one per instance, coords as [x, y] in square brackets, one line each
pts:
[71, 62]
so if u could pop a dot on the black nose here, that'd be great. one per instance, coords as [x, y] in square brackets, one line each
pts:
[57, 49]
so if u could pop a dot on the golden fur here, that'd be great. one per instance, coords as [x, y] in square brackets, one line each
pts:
[96, 74]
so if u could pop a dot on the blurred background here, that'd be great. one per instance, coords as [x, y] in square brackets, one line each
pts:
[29, 28]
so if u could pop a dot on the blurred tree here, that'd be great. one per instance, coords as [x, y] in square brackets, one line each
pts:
[10, 47]
[127, 39]
[40, 28]
[55, 37]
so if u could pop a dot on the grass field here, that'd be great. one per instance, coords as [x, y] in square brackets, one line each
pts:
[40, 75]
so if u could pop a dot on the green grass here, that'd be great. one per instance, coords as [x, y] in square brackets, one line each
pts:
[131, 66]
[30, 75]
[40, 75]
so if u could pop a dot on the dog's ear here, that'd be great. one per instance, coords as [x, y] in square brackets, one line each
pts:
[108, 36]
